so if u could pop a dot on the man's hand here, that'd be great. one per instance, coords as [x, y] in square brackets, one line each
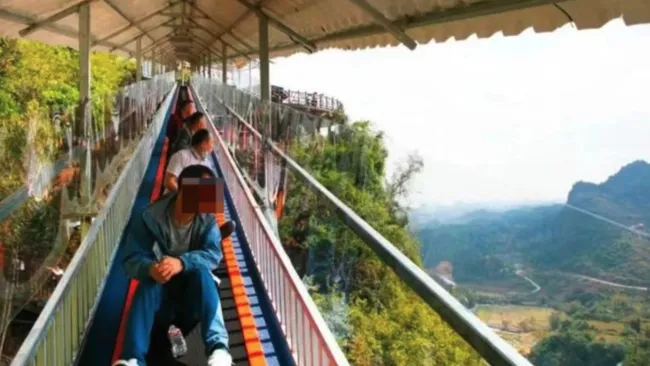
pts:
[156, 274]
[170, 266]
[167, 268]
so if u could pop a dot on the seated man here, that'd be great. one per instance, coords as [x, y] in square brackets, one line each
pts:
[197, 154]
[193, 123]
[186, 107]
[172, 250]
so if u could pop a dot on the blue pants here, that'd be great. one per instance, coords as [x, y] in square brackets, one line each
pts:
[189, 297]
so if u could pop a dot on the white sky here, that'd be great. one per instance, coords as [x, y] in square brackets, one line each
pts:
[503, 119]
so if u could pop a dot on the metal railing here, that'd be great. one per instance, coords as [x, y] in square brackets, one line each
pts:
[479, 336]
[55, 338]
[307, 334]
[311, 100]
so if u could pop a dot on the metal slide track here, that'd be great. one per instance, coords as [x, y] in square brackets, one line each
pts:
[255, 336]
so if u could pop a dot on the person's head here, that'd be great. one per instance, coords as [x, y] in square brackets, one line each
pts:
[186, 107]
[190, 195]
[196, 121]
[202, 142]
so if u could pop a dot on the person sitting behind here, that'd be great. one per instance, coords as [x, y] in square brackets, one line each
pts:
[193, 123]
[198, 153]
[175, 284]
[185, 107]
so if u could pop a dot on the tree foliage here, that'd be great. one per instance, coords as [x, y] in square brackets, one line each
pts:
[37, 79]
[376, 318]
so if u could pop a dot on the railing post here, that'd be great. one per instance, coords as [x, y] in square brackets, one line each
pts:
[224, 64]
[138, 59]
[210, 66]
[265, 91]
[85, 105]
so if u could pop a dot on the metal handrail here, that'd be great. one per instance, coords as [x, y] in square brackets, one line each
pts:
[479, 336]
[312, 100]
[309, 338]
[58, 333]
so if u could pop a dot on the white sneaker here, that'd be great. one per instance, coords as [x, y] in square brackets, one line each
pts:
[131, 362]
[220, 357]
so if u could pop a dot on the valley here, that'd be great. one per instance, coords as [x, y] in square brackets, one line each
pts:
[556, 280]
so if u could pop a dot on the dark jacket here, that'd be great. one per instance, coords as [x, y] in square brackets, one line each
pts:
[173, 126]
[183, 141]
[152, 227]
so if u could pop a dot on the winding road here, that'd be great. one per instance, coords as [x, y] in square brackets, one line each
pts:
[608, 283]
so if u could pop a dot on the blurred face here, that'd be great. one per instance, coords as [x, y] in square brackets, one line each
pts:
[207, 146]
[204, 148]
[203, 195]
[188, 110]
[202, 124]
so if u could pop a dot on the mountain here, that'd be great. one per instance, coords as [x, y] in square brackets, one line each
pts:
[588, 235]
[461, 212]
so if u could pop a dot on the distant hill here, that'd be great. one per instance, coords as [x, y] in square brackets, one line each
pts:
[461, 212]
[574, 237]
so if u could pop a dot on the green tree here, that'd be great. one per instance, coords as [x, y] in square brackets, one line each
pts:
[387, 324]
[555, 321]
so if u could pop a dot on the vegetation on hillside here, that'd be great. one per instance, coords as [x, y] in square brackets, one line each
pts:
[555, 237]
[376, 318]
[557, 246]
[37, 80]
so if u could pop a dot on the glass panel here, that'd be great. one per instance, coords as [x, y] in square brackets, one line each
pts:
[564, 281]
[57, 174]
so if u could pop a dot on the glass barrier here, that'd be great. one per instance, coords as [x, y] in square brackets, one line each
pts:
[565, 282]
[347, 160]
[61, 178]
[310, 341]
[375, 316]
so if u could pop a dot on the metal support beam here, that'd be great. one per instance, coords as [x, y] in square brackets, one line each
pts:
[126, 17]
[384, 22]
[474, 10]
[54, 28]
[197, 40]
[209, 66]
[224, 64]
[84, 98]
[153, 62]
[138, 60]
[179, 15]
[149, 30]
[311, 47]
[206, 30]
[135, 24]
[231, 32]
[263, 32]
[53, 18]
[158, 43]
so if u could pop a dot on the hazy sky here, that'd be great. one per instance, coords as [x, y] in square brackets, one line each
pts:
[501, 119]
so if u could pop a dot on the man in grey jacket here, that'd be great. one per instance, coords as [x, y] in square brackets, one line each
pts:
[172, 250]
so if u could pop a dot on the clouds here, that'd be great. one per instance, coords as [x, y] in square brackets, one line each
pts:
[518, 118]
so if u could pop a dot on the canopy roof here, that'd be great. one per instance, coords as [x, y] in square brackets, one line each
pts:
[186, 29]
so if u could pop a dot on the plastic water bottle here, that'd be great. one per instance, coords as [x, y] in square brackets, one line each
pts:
[179, 347]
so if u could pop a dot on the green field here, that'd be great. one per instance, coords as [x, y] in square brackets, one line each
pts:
[521, 326]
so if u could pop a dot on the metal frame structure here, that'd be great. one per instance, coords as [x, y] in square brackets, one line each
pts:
[489, 345]
[180, 15]
[369, 26]
[190, 40]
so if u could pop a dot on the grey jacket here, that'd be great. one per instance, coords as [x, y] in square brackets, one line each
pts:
[151, 226]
